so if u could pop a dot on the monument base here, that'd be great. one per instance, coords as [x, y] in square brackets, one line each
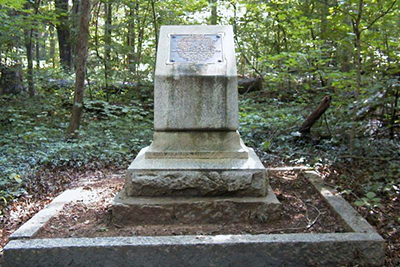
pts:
[195, 177]
[176, 177]
[195, 210]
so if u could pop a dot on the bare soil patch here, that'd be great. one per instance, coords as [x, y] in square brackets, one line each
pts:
[44, 186]
[304, 211]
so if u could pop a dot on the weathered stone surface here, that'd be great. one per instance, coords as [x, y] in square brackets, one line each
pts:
[176, 210]
[297, 250]
[197, 145]
[196, 177]
[141, 163]
[197, 183]
[348, 215]
[197, 94]
[196, 151]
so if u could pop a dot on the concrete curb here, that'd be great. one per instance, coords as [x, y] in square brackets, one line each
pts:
[361, 245]
[31, 227]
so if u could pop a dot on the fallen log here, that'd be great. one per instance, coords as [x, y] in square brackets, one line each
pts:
[315, 115]
[249, 85]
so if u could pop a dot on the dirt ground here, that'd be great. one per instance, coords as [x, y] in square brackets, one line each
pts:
[304, 211]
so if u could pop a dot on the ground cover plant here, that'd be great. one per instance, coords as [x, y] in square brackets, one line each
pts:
[38, 161]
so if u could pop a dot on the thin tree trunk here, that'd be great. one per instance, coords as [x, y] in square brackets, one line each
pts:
[96, 32]
[324, 14]
[29, 49]
[140, 43]
[357, 33]
[214, 12]
[107, 41]
[133, 12]
[37, 49]
[63, 34]
[74, 26]
[153, 9]
[345, 51]
[29, 56]
[82, 50]
[394, 113]
[52, 51]
[43, 47]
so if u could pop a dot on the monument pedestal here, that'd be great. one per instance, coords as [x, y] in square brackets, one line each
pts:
[195, 190]
[197, 170]
[187, 190]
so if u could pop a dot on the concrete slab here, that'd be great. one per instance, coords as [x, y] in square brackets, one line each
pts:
[360, 246]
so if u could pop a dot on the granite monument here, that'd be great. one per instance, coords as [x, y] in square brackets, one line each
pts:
[197, 169]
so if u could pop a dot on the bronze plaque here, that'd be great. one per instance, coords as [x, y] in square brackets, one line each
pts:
[195, 48]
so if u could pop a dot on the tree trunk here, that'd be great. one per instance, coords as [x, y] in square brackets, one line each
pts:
[82, 53]
[153, 9]
[214, 13]
[74, 26]
[52, 51]
[29, 56]
[357, 33]
[131, 38]
[43, 47]
[323, 15]
[37, 49]
[63, 33]
[305, 128]
[107, 41]
[394, 113]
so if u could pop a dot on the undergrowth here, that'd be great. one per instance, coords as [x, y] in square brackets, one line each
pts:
[33, 138]
[33, 131]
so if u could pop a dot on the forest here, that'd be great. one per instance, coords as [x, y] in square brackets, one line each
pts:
[76, 93]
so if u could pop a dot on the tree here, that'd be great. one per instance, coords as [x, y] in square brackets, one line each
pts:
[64, 35]
[107, 41]
[359, 25]
[214, 12]
[82, 54]
[29, 32]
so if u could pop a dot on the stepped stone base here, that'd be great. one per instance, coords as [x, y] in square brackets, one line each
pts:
[198, 210]
[195, 177]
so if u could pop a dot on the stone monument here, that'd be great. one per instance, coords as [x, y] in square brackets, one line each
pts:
[197, 169]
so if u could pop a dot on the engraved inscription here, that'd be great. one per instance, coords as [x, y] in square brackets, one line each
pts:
[195, 48]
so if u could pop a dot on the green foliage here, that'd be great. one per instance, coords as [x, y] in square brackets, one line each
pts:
[370, 200]
[16, 4]
[270, 124]
[303, 50]
[33, 137]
